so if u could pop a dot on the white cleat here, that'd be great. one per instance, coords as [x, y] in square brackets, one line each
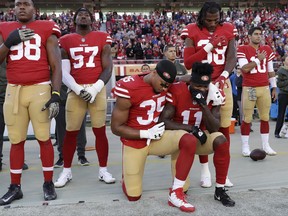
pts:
[269, 150]
[206, 181]
[246, 151]
[177, 199]
[106, 177]
[63, 179]
[228, 183]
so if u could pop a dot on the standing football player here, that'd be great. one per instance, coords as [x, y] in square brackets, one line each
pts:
[212, 41]
[87, 67]
[31, 50]
[255, 61]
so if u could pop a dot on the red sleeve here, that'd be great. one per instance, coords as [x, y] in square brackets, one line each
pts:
[191, 56]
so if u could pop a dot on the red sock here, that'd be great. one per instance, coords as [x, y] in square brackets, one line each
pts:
[16, 162]
[264, 127]
[69, 147]
[203, 159]
[221, 162]
[187, 147]
[47, 158]
[101, 145]
[245, 128]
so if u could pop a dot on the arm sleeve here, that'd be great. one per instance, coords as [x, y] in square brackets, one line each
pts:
[191, 56]
[68, 80]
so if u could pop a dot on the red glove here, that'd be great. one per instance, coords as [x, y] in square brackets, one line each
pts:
[218, 41]
[223, 95]
[220, 81]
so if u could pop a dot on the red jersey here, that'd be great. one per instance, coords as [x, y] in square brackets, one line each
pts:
[258, 76]
[85, 54]
[217, 56]
[187, 110]
[27, 62]
[146, 105]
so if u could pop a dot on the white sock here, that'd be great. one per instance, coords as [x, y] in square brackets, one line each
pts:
[219, 185]
[66, 170]
[245, 140]
[265, 139]
[177, 184]
[102, 169]
[205, 170]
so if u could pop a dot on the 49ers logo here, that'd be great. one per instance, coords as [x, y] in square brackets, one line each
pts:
[166, 75]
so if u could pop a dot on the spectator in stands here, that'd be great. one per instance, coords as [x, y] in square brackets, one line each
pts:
[170, 54]
[145, 68]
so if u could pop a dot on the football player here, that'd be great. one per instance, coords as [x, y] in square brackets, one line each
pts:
[31, 49]
[212, 40]
[139, 101]
[87, 67]
[255, 61]
[196, 109]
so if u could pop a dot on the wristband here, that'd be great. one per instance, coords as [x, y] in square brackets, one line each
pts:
[272, 81]
[257, 61]
[208, 47]
[225, 74]
[56, 92]
[144, 134]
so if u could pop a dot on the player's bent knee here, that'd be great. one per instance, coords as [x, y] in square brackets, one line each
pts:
[219, 140]
[129, 196]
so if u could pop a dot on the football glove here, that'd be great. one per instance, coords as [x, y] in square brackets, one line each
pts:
[17, 36]
[220, 81]
[86, 96]
[155, 132]
[214, 95]
[218, 41]
[95, 89]
[53, 105]
[199, 134]
[197, 95]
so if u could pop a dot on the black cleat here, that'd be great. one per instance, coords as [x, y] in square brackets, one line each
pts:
[220, 195]
[14, 193]
[49, 191]
[25, 167]
[59, 163]
[83, 161]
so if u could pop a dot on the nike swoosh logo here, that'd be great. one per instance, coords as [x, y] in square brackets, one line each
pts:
[42, 93]
[217, 197]
[5, 200]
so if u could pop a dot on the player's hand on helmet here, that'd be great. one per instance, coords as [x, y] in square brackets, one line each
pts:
[197, 95]
[86, 96]
[95, 89]
[155, 132]
[221, 80]
[17, 36]
[53, 105]
[215, 96]
[199, 134]
[218, 41]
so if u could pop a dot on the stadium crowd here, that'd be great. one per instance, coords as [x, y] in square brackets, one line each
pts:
[139, 36]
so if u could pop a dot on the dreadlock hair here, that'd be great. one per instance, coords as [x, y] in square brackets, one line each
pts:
[82, 9]
[209, 7]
